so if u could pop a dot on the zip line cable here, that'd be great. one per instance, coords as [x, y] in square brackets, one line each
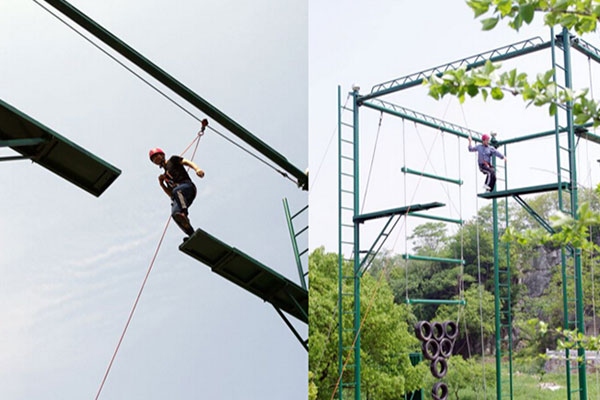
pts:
[162, 93]
[372, 161]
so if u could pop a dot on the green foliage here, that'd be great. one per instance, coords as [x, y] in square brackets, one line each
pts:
[385, 338]
[580, 15]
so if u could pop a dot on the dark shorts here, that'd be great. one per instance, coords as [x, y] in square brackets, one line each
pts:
[183, 196]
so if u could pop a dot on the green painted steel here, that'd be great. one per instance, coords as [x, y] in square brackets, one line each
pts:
[524, 190]
[357, 366]
[54, 152]
[587, 49]
[503, 53]
[436, 218]
[535, 215]
[423, 119]
[566, 46]
[497, 302]
[427, 258]
[22, 142]
[394, 211]
[508, 301]
[152, 69]
[378, 244]
[340, 252]
[587, 135]
[435, 301]
[248, 273]
[539, 135]
[290, 225]
[440, 178]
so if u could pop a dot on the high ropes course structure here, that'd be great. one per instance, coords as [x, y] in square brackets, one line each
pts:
[352, 221]
[42, 145]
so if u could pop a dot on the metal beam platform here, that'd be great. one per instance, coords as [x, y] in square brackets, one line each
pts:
[394, 211]
[176, 86]
[42, 145]
[249, 274]
[525, 190]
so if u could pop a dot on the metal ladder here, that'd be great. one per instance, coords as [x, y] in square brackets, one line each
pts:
[567, 203]
[294, 238]
[348, 304]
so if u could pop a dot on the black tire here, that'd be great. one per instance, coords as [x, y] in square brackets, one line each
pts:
[451, 330]
[439, 367]
[431, 349]
[423, 330]
[446, 347]
[435, 391]
[437, 330]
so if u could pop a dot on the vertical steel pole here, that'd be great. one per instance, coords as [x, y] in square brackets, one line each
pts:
[573, 188]
[356, 249]
[340, 254]
[497, 300]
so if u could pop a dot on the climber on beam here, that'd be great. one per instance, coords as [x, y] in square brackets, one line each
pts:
[484, 159]
[176, 183]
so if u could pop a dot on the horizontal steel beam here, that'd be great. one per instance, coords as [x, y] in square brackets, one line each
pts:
[428, 258]
[539, 135]
[432, 301]
[152, 69]
[423, 119]
[437, 218]
[359, 219]
[500, 54]
[425, 174]
[22, 142]
[14, 158]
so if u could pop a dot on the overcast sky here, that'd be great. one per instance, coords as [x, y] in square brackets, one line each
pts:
[366, 43]
[72, 264]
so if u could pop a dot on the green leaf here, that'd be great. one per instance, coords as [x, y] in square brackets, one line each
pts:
[526, 11]
[505, 7]
[497, 93]
[489, 23]
[484, 93]
[552, 110]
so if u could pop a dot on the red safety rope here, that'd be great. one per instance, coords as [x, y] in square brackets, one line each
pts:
[197, 141]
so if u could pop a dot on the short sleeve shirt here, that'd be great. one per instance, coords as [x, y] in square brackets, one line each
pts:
[175, 172]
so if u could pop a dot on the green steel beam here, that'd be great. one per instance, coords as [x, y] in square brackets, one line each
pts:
[566, 46]
[427, 258]
[359, 219]
[356, 187]
[425, 174]
[423, 119]
[524, 190]
[586, 48]
[431, 301]
[248, 273]
[152, 69]
[539, 135]
[13, 158]
[497, 301]
[54, 152]
[371, 253]
[503, 53]
[587, 135]
[22, 142]
[540, 220]
[436, 218]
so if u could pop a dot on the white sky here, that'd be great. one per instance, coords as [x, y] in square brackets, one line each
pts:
[367, 43]
[72, 264]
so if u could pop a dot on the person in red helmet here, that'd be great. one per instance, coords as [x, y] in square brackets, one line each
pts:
[176, 183]
[484, 159]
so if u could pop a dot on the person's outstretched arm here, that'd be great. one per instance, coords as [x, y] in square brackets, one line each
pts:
[193, 166]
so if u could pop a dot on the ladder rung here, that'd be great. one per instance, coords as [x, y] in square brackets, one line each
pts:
[346, 141]
[347, 174]
[347, 312]
[559, 66]
[352, 243]
[347, 294]
[347, 277]
[348, 384]
[346, 191]
[347, 208]
[347, 158]
[348, 225]
[347, 124]
[302, 253]
[347, 108]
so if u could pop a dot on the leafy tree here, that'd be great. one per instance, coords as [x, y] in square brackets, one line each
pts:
[385, 338]
[580, 15]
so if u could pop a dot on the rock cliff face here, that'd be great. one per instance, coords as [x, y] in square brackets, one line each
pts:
[536, 277]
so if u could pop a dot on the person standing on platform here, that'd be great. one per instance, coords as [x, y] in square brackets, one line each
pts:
[484, 160]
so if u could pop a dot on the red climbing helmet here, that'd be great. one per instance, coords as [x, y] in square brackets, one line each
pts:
[154, 151]
[483, 138]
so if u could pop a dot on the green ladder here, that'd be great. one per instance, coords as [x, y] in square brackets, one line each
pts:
[502, 301]
[567, 202]
[349, 281]
[294, 238]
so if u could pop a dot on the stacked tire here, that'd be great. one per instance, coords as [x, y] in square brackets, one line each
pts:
[437, 345]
